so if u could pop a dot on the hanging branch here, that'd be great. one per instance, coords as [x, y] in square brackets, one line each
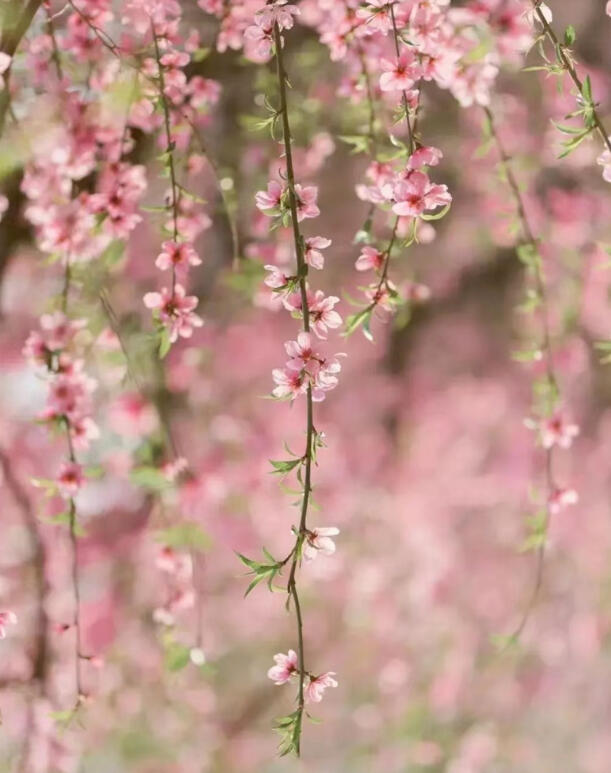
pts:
[537, 303]
[565, 63]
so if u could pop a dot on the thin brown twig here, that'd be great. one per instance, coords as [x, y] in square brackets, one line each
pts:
[569, 67]
[302, 271]
[547, 347]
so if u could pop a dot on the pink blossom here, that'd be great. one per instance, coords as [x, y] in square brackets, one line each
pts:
[276, 277]
[319, 541]
[70, 479]
[58, 330]
[262, 39]
[376, 15]
[271, 198]
[370, 258]
[175, 311]
[322, 313]
[306, 201]
[604, 160]
[286, 667]
[425, 156]
[4, 204]
[301, 353]
[82, 431]
[289, 383]
[278, 13]
[6, 618]
[416, 193]
[317, 685]
[313, 257]
[561, 498]
[401, 74]
[174, 563]
[179, 255]
[557, 431]
[380, 297]
[70, 393]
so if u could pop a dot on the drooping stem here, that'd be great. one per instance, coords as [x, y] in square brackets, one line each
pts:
[76, 618]
[531, 241]
[569, 67]
[302, 272]
[169, 146]
[410, 133]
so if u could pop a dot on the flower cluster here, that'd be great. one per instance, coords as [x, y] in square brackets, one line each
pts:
[305, 369]
[178, 569]
[55, 348]
[287, 667]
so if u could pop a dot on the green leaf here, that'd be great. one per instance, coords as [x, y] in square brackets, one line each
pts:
[534, 541]
[438, 215]
[177, 656]
[528, 254]
[184, 535]
[527, 355]
[49, 486]
[360, 143]
[200, 54]
[354, 321]
[164, 342]
[503, 641]
[149, 478]
[283, 467]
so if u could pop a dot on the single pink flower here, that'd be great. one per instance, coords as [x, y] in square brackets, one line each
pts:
[289, 383]
[380, 297]
[175, 311]
[604, 160]
[370, 258]
[319, 541]
[317, 685]
[425, 156]
[70, 479]
[322, 313]
[306, 201]
[416, 193]
[302, 354]
[561, 498]
[6, 618]
[276, 277]
[401, 74]
[179, 255]
[376, 15]
[277, 13]
[271, 198]
[174, 563]
[286, 667]
[312, 256]
[557, 431]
